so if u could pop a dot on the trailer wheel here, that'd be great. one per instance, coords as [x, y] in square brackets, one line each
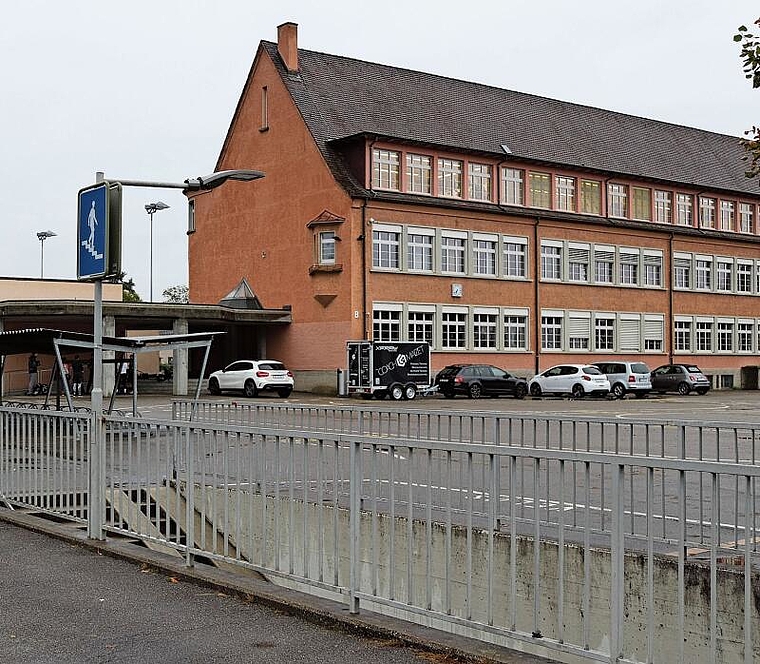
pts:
[410, 391]
[397, 392]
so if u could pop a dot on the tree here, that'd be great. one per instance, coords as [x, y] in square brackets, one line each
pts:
[750, 55]
[128, 293]
[176, 295]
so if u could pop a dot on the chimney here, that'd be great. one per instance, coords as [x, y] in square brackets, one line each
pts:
[287, 45]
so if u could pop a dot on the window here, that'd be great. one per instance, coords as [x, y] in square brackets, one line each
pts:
[386, 325]
[725, 336]
[684, 210]
[577, 263]
[479, 182]
[264, 109]
[420, 326]
[617, 195]
[484, 257]
[190, 217]
[385, 249]
[706, 212]
[682, 330]
[515, 327]
[540, 190]
[513, 186]
[450, 178]
[419, 171]
[551, 332]
[703, 273]
[724, 273]
[454, 330]
[654, 328]
[327, 248]
[745, 217]
[642, 203]
[727, 216]
[591, 197]
[682, 272]
[744, 277]
[744, 337]
[565, 193]
[704, 336]
[652, 269]
[604, 260]
[663, 211]
[551, 262]
[515, 257]
[578, 331]
[385, 169]
[629, 268]
[484, 330]
[452, 254]
[604, 334]
[630, 333]
[419, 251]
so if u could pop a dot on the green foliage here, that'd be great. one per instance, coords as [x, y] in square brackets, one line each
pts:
[176, 295]
[750, 55]
[128, 292]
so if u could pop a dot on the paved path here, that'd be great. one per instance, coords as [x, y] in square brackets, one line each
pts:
[65, 602]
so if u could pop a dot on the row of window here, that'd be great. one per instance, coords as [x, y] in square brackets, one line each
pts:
[473, 180]
[506, 329]
[600, 264]
[715, 273]
[707, 334]
[463, 253]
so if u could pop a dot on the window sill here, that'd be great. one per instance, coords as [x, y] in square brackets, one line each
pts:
[337, 267]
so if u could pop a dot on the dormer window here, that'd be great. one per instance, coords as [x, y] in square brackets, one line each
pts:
[385, 169]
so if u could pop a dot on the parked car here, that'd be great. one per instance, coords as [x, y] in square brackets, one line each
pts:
[479, 380]
[251, 377]
[626, 377]
[578, 380]
[681, 378]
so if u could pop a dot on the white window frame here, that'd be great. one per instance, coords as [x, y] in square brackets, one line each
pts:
[485, 259]
[420, 249]
[485, 326]
[617, 200]
[551, 257]
[707, 206]
[514, 257]
[663, 206]
[386, 321]
[515, 326]
[565, 197]
[453, 252]
[450, 177]
[419, 174]
[746, 217]
[684, 209]
[386, 169]
[327, 247]
[604, 332]
[513, 186]
[479, 181]
[386, 247]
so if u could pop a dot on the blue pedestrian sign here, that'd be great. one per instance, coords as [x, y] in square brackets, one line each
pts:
[99, 232]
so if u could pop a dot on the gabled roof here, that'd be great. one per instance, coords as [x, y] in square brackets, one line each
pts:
[340, 97]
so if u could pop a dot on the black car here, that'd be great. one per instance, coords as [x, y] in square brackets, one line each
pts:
[681, 378]
[479, 380]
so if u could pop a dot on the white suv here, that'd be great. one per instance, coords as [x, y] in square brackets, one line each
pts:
[251, 376]
[575, 379]
[626, 377]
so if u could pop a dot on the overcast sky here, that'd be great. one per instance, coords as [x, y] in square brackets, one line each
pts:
[145, 90]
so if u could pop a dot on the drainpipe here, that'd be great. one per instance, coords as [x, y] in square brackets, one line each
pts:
[536, 310]
[671, 322]
[363, 239]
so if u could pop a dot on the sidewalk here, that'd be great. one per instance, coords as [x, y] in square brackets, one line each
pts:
[67, 599]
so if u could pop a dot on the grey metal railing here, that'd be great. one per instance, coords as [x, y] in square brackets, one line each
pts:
[573, 545]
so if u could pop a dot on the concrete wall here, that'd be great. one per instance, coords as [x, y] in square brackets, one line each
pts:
[55, 289]
[319, 537]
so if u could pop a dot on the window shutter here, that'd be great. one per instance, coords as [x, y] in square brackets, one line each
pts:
[630, 335]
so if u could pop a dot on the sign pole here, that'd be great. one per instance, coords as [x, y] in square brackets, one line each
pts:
[96, 456]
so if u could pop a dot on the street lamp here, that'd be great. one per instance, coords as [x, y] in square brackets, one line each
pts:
[151, 209]
[42, 236]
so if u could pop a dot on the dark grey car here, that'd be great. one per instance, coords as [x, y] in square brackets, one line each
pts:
[681, 378]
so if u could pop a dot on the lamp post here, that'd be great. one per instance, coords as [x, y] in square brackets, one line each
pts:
[151, 209]
[42, 236]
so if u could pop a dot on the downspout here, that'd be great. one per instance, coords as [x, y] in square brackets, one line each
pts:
[671, 322]
[536, 310]
[363, 239]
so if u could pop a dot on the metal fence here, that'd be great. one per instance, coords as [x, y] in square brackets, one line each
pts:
[575, 544]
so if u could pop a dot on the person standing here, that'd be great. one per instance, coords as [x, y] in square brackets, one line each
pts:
[33, 366]
[77, 376]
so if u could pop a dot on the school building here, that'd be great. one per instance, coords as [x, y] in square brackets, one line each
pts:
[502, 227]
